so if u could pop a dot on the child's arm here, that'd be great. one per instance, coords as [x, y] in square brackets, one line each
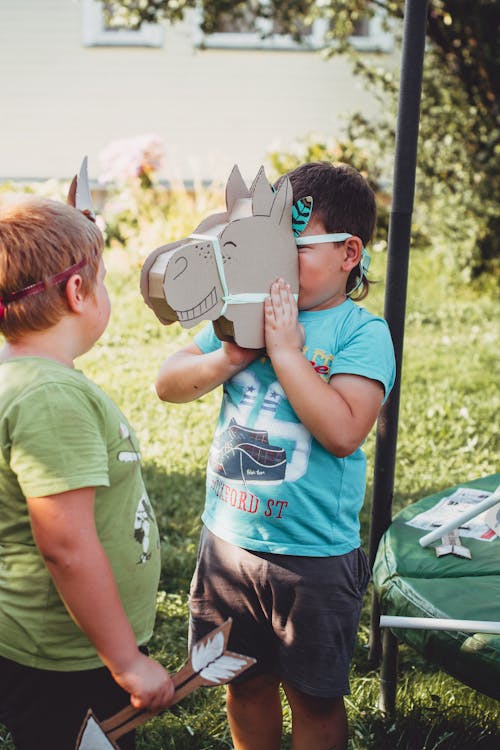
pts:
[339, 414]
[65, 533]
[189, 373]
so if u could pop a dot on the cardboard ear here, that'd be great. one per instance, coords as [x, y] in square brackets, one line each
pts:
[235, 189]
[71, 197]
[79, 192]
[282, 202]
[262, 194]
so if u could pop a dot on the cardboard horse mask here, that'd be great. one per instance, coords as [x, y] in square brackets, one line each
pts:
[224, 270]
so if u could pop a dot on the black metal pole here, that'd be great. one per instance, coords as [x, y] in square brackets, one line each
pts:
[415, 17]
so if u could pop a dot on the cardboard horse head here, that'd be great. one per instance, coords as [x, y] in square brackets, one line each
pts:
[224, 270]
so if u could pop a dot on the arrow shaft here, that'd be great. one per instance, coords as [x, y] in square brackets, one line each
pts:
[140, 717]
[129, 717]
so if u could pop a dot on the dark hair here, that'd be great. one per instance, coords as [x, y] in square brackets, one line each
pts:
[342, 199]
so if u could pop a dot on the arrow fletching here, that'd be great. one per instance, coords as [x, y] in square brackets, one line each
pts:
[224, 668]
[211, 661]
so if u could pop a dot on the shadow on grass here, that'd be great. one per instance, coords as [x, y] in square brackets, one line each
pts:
[177, 499]
[428, 727]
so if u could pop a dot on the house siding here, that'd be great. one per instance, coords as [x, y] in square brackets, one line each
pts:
[213, 108]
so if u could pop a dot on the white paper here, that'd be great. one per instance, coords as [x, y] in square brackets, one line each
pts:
[453, 506]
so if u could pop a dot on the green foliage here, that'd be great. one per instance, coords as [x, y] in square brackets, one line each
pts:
[290, 14]
[458, 188]
[138, 217]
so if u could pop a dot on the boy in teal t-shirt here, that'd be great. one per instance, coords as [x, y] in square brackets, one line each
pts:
[280, 548]
[79, 544]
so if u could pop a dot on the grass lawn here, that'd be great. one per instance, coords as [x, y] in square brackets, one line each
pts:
[448, 434]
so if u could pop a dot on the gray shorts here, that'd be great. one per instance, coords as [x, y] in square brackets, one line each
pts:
[298, 616]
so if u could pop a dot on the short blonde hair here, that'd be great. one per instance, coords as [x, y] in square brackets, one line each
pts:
[40, 238]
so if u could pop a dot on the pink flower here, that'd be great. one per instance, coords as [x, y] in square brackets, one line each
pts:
[131, 158]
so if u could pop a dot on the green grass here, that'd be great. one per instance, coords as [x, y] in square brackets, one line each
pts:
[448, 434]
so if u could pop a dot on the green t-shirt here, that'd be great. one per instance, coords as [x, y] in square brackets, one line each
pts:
[58, 432]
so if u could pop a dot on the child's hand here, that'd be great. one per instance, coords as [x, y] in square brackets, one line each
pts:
[282, 330]
[238, 357]
[149, 684]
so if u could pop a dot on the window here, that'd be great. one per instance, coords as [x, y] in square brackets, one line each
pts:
[95, 31]
[248, 32]
[372, 37]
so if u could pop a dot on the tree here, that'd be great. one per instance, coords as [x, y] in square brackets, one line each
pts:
[457, 178]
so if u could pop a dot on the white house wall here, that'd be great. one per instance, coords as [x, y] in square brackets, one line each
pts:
[213, 108]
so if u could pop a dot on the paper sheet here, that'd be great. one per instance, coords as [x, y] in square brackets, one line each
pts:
[454, 506]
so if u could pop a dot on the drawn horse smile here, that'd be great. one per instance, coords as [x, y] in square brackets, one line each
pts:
[200, 309]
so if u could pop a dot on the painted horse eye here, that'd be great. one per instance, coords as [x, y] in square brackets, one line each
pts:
[185, 261]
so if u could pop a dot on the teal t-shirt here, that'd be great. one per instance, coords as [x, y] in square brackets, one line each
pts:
[271, 486]
[58, 432]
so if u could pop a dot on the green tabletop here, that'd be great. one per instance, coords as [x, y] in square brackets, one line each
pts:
[412, 581]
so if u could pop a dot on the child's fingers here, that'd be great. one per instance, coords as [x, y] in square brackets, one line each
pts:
[269, 309]
[276, 292]
[288, 302]
[281, 295]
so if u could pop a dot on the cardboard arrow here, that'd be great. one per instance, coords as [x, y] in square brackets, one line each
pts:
[208, 664]
[452, 545]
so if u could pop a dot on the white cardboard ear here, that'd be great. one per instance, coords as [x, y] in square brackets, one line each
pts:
[256, 178]
[83, 200]
[235, 188]
[262, 194]
[79, 195]
[282, 205]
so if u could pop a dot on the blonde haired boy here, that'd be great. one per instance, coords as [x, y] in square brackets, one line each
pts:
[77, 587]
